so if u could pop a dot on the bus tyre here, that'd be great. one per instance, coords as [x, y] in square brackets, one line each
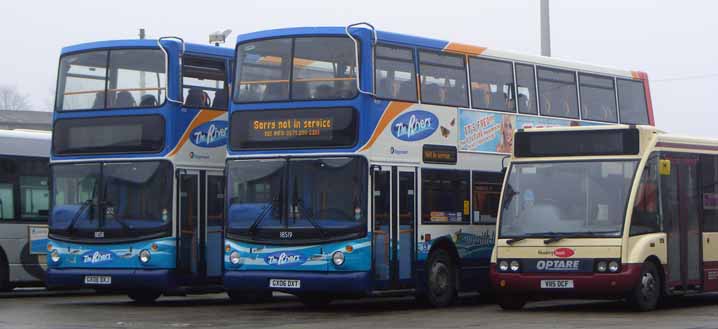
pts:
[511, 302]
[441, 276]
[647, 293]
[144, 297]
[4, 274]
[315, 301]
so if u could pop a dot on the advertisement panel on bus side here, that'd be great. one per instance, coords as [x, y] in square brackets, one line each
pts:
[493, 132]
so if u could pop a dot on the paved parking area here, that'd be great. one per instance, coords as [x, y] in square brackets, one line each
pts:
[60, 310]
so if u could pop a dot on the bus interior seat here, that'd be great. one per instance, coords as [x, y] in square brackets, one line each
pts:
[148, 100]
[99, 100]
[431, 93]
[125, 99]
[220, 99]
[194, 98]
[324, 92]
[300, 91]
[407, 90]
[275, 91]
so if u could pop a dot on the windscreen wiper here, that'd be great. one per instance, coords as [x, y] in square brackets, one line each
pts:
[262, 215]
[514, 240]
[122, 222]
[77, 215]
[300, 204]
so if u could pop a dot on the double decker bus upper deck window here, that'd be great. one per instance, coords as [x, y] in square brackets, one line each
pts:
[320, 68]
[117, 78]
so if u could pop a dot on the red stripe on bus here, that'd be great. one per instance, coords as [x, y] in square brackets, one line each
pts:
[643, 76]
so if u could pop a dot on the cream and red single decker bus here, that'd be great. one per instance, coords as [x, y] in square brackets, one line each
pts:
[608, 211]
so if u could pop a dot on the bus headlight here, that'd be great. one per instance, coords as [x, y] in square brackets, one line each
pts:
[601, 266]
[55, 256]
[338, 258]
[514, 266]
[614, 266]
[234, 258]
[503, 266]
[145, 256]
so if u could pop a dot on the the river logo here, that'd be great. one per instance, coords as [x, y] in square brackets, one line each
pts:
[414, 126]
[97, 257]
[210, 134]
[284, 258]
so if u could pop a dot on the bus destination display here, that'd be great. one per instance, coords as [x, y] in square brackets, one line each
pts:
[297, 128]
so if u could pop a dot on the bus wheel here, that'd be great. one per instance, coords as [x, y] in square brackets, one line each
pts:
[315, 301]
[4, 274]
[144, 297]
[249, 297]
[647, 293]
[511, 302]
[441, 285]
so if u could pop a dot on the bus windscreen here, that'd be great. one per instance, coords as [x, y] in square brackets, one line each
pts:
[577, 143]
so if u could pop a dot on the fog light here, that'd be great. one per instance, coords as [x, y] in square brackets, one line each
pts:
[234, 258]
[503, 266]
[514, 266]
[145, 256]
[55, 256]
[613, 266]
[602, 266]
[338, 258]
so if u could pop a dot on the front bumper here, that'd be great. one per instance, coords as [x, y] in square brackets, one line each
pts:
[122, 279]
[585, 284]
[334, 283]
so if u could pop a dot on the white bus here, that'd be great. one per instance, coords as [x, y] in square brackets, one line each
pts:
[24, 205]
[614, 212]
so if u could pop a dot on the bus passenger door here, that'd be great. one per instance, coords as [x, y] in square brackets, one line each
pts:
[394, 190]
[381, 227]
[681, 207]
[214, 199]
[190, 230]
[405, 204]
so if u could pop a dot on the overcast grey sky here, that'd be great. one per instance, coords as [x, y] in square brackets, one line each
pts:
[672, 41]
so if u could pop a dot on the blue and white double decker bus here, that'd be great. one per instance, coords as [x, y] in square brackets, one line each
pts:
[138, 151]
[362, 161]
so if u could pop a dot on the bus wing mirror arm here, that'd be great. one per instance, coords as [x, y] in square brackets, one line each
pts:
[167, 66]
[356, 52]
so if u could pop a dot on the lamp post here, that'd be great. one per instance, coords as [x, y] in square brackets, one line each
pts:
[545, 29]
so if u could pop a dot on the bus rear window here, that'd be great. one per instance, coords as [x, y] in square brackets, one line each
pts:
[320, 68]
[128, 134]
[632, 102]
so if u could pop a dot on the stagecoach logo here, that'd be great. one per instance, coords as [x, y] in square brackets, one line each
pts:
[284, 258]
[97, 257]
[396, 151]
[414, 125]
[563, 252]
[210, 134]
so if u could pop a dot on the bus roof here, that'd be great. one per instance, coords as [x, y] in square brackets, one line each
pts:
[448, 46]
[35, 143]
[147, 43]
